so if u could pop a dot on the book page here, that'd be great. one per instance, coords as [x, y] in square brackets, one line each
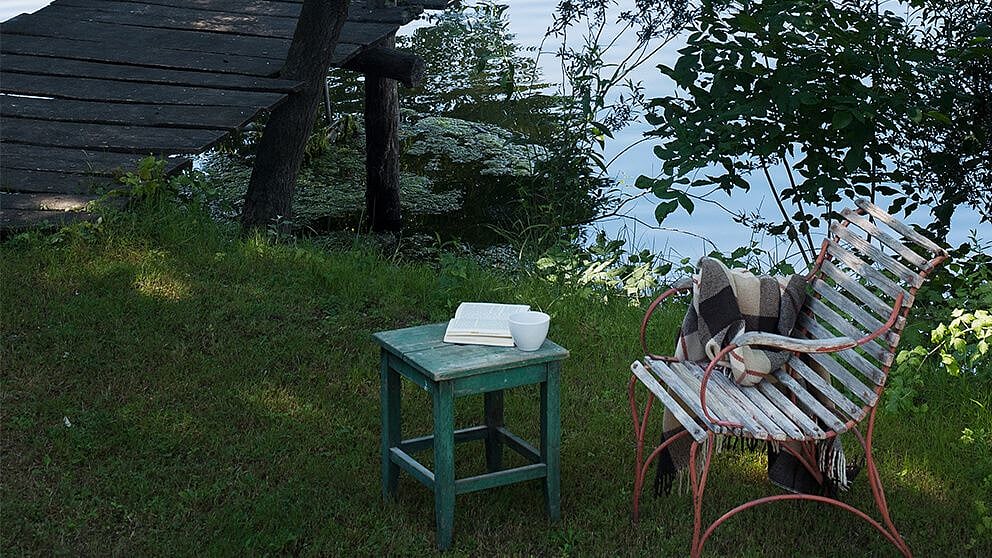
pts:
[488, 310]
[477, 326]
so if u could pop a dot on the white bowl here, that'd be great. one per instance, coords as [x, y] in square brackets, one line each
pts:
[529, 329]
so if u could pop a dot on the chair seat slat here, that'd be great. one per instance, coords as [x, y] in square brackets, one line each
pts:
[870, 228]
[728, 408]
[868, 272]
[666, 373]
[749, 408]
[668, 401]
[880, 258]
[783, 421]
[855, 359]
[788, 408]
[898, 226]
[846, 282]
[829, 391]
[811, 402]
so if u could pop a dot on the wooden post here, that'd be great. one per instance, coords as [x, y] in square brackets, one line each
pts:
[382, 152]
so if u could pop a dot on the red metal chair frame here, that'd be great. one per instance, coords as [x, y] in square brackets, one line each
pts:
[698, 478]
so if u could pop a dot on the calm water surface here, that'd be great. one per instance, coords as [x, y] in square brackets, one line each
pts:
[528, 20]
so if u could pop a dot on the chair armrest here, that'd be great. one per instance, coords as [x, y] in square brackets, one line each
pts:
[773, 341]
[681, 286]
[827, 345]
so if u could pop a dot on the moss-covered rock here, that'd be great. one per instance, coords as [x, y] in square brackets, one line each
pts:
[437, 140]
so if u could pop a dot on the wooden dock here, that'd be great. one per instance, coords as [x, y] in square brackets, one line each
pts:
[89, 87]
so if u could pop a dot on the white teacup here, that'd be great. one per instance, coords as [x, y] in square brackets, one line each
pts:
[529, 329]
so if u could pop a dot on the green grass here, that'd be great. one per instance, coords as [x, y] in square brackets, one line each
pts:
[223, 399]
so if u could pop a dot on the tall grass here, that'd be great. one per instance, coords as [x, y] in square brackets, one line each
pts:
[169, 388]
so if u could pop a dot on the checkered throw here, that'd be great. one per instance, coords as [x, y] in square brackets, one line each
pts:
[725, 304]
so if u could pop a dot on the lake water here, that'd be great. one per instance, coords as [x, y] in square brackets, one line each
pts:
[529, 20]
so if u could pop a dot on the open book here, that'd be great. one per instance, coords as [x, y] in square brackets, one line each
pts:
[482, 323]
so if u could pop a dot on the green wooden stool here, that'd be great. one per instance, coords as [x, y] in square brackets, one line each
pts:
[448, 371]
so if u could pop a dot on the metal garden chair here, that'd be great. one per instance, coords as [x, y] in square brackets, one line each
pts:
[862, 286]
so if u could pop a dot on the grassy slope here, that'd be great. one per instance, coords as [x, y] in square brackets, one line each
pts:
[223, 397]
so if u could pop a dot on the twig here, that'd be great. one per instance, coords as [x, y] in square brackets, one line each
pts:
[785, 214]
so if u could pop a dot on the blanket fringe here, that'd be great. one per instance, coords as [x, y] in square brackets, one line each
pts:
[830, 460]
[671, 475]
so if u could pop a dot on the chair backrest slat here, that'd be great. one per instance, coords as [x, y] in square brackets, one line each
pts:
[820, 361]
[839, 400]
[873, 276]
[848, 306]
[900, 227]
[809, 401]
[854, 358]
[900, 248]
[868, 262]
[865, 249]
[826, 316]
[860, 292]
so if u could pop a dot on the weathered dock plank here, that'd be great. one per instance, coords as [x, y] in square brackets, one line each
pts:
[87, 89]
[55, 26]
[123, 51]
[20, 180]
[169, 17]
[358, 11]
[75, 161]
[109, 137]
[101, 112]
[192, 20]
[41, 65]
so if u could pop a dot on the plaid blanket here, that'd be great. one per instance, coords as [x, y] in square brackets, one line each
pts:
[726, 303]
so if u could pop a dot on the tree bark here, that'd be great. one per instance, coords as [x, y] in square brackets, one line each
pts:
[382, 153]
[280, 152]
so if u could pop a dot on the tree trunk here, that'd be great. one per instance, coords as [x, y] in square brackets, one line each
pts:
[382, 152]
[280, 152]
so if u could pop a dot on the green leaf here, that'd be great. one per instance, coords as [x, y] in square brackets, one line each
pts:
[603, 129]
[854, 157]
[645, 182]
[665, 209]
[841, 119]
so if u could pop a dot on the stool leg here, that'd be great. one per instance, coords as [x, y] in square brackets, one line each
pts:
[551, 441]
[389, 395]
[444, 462]
[494, 419]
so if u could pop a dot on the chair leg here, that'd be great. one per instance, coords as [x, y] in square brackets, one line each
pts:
[877, 490]
[640, 427]
[641, 465]
[697, 481]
